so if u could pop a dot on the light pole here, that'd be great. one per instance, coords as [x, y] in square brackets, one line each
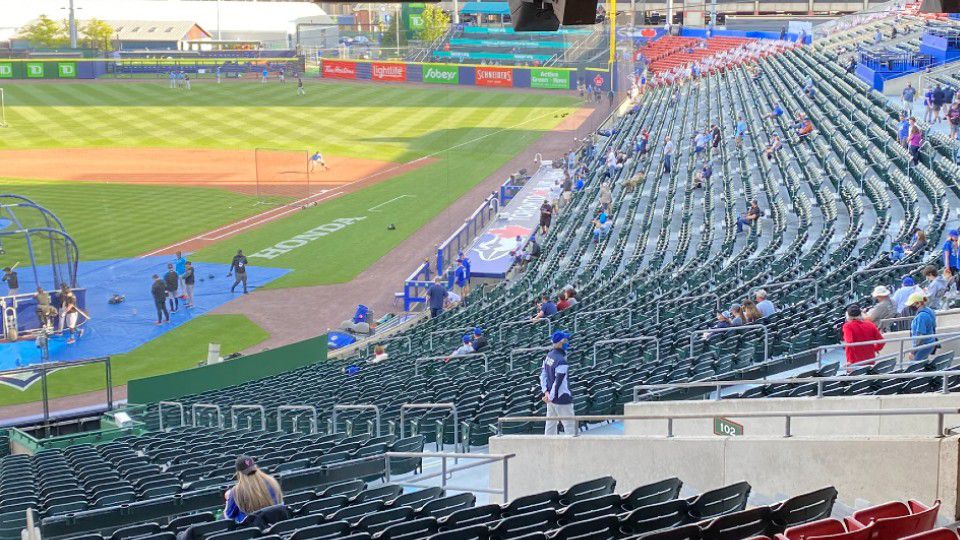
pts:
[71, 24]
[398, 30]
[219, 36]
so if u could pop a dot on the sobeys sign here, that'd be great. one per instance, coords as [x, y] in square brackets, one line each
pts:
[441, 74]
[557, 79]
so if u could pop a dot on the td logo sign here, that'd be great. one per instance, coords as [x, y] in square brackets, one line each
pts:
[6, 71]
[67, 70]
[441, 74]
[34, 70]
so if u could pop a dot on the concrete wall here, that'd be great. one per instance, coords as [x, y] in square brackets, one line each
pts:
[863, 469]
[866, 426]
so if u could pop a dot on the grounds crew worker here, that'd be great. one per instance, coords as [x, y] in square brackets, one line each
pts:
[239, 267]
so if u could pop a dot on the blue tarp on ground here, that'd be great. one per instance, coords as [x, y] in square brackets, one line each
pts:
[119, 328]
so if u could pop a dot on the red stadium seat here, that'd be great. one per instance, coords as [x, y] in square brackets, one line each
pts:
[896, 520]
[828, 529]
[935, 534]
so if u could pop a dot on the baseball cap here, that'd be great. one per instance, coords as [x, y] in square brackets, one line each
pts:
[466, 338]
[954, 232]
[908, 281]
[880, 290]
[477, 331]
[246, 465]
[853, 310]
[916, 298]
[726, 314]
[734, 306]
[559, 336]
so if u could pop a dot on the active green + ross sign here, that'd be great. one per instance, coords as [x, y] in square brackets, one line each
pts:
[556, 79]
[725, 427]
[67, 70]
[34, 70]
[441, 74]
[6, 70]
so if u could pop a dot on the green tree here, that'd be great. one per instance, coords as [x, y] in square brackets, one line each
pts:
[435, 23]
[46, 33]
[390, 34]
[97, 34]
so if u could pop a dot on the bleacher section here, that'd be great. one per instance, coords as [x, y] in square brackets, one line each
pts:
[670, 52]
[503, 46]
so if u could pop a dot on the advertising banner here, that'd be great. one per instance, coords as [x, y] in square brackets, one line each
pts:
[35, 70]
[6, 70]
[494, 76]
[389, 72]
[67, 70]
[549, 78]
[440, 74]
[337, 69]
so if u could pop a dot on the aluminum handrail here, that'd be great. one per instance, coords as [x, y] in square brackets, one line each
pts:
[445, 471]
[577, 315]
[940, 413]
[527, 321]
[449, 331]
[183, 415]
[876, 270]
[308, 408]
[781, 284]
[416, 363]
[597, 344]
[195, 406]
[719, 385]
[766, 335]
[359, 407]
[431, 406]
[235, 409]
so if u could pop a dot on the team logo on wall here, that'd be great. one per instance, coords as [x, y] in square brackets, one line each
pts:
[497, 243]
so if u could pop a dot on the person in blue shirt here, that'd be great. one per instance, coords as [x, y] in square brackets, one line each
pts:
[466, 263]
[740, 131]
[903, 130]
[555, 385]
[436, 296]
[951, 251]
[777, 112]
[173, 79]
[264, 76]
[546, 308]
[254, 491]
[180, 266]
[924, 323]
[460, 279]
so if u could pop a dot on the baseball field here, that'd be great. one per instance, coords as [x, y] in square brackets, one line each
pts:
[138, 168]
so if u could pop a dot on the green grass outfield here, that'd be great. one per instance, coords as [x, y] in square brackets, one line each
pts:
[467, 133]
[180, 349]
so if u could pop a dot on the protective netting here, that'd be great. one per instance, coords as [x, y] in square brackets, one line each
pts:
[35, 244]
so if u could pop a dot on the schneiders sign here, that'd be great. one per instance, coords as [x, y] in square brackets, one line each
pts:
[305, 238]
[441, 74]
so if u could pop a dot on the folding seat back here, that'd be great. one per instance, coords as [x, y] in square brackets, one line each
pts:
[479, 515]
[803, 508]
[588, 490]
[739, 525]
[324, 506]
[382, 493]
[445, 506]
[202, 530]
[353, 513]
[142, 529]
[378, 521]
[409, 530]
[590, 508]
[528, 503]
[919, 518]
[334, 529]
[687, 532]
[935, 534]
[285, 527]
[658, 492]
[473, 532]
[828, 529]
[520, 524]
[654, 517]
[720, 501]
[417, 499]
[349, 489]
[237, 534]
[182, 522]
[599, 528]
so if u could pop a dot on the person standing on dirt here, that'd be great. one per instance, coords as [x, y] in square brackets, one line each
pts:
[316, 160]
[239, 267]
[159, 293]
[172, 282]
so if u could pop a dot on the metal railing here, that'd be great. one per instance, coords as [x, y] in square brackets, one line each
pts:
[782, 284]
[207, 407]
[449, 331]
[308, 408]
[718, 386]
[937, 340]
[432, 406]
[162, 404]
[766, 336]
[597, 344]
[576, 316]
[235, 410]
[687, 300]
[445, 471]
[876, 270]
[483, 356]
[360, 407]
[788, 416]
[529, 321]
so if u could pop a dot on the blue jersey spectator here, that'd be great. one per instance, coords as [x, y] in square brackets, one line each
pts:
[436, 296]
[924, 324]
[546, 308]
[555, 385]
[951, 251]
[254, 491]
[466, 263]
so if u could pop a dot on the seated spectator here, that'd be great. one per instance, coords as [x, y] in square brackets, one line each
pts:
[480, 341]
[606, 197]
[601, 226]
[924, 324]
[531, 251]
[736, 310]
[856, 330]
[562, 302]
[517, 252]
[764, 306]
[703, 175]
[805, 128]
[936, 285]
[379, 354]
[751, 217]
[254, 491]
[466, 346]
[917, 243]
[545, 309]
[777, 112]
[750, 312]
[809, 89]
[884, 308]
[571, 296]
[723, 321]
[907, 287]
[772, 147]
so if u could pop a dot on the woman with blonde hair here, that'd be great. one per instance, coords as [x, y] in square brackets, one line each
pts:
[750, 312]
[255, 490]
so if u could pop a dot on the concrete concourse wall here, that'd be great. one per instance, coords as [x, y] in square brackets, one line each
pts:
[863, 469]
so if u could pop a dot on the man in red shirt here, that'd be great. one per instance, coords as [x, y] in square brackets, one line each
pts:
[857, 330]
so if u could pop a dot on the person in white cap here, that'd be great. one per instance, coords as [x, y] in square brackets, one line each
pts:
[924, 324]
[883, 309]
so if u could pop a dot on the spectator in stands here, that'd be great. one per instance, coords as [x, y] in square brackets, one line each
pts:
[924, 324]
[783, 33]
[571, 295]
[556, 192]
[254, 491]
[764, 305]
[752, 216]
[172, 282]
[436, 296]
[567, 187]
[703, 175]
[951, 251]
[723, 321]
[517, 251]
[938, 101]
[715, 136]
[805, 128]
[736, 312]
[928, 107]
[546, 215]
[857, 330]
[852, 65]
[936, 285]
[668, 148]
[903, 129]
[772, 147]
[740, 131]
[750, 312]
[530, 251]
[700, 142]
[917, 243]
[883, 309]
[878, 37]
[953, 119]
[379, 354]
[643, 142]
[555, 385]
[611, 162]
[546, 308]
[601, 226]
[460, 279]
[480, 341]
[907, 287]
[776, 112]
[466, 346]
[914, 142]
[909, 94]
[809, 89]
[466, 264]
[606, 197]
